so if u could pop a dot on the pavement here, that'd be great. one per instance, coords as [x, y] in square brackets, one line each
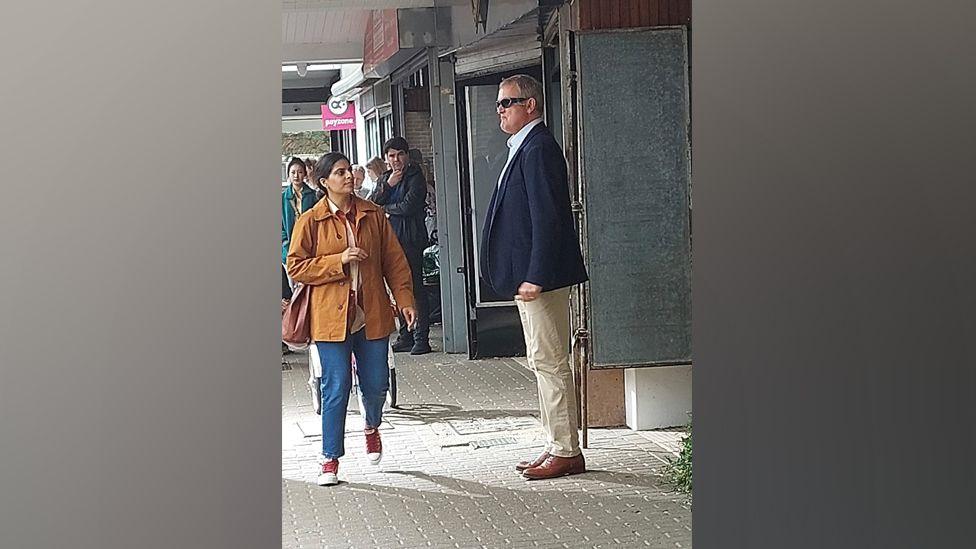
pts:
[447, 476]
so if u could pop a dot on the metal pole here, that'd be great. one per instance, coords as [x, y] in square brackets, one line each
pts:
[571, 145]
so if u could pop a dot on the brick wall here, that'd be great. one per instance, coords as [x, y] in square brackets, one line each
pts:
[418, 133]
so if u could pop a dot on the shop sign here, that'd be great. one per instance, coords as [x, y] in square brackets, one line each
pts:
[338, 114]
[381, 40]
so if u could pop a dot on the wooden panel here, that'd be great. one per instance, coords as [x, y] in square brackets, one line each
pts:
[606, 23]
[674, 12]
[622, 14]
[596, 13]
[652, 13]
[635, 13]
[613, 8]
[663, 14]
[605, 402]
[684, 12]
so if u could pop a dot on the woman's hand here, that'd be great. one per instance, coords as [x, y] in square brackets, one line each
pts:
[353, 254]
[410, 315]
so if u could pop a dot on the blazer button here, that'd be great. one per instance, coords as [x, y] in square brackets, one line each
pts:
[340, 307]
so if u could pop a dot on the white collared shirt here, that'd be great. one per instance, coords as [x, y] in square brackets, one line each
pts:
[514, 143]
[351, 238]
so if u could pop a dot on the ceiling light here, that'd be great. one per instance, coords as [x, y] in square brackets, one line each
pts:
[316, 67]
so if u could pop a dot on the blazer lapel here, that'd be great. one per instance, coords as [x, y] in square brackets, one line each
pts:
[496, 197]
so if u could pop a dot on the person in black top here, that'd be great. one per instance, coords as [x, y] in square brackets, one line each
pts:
[402, 192]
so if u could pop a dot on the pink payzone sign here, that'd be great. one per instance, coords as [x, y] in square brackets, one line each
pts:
[338, 114]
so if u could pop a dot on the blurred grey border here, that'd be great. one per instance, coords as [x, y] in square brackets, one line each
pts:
[834, 273]
[140, 389]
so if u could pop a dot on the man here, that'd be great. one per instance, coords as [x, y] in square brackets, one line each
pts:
[402, 192]
[530, 250]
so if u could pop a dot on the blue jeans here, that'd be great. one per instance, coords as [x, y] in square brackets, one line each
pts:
[374, 381]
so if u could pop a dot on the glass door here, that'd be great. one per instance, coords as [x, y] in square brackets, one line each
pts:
[494, 328]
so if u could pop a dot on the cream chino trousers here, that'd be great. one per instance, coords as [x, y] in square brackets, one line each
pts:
[545, 324]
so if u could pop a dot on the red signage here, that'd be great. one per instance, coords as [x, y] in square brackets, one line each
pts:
[338, 114]
[381, 41]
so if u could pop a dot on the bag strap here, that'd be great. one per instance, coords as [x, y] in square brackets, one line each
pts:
[314, 229]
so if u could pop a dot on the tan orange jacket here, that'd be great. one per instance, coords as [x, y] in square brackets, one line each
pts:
[322, 269]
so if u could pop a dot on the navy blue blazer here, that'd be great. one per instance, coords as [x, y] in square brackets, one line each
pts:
[529, 234]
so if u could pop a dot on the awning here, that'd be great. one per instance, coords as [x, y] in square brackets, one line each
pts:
[350, 86]
[512, 46]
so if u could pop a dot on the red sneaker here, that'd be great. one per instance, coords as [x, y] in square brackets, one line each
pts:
[374, 447]
[330, 471]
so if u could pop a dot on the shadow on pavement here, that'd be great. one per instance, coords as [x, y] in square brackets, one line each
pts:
[433, 510]
[432, 413]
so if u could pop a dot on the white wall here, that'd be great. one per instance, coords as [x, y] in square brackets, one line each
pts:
[360, 137]
[301, 124]
[657, 397]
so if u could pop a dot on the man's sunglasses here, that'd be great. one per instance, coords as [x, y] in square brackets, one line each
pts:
[509, 101]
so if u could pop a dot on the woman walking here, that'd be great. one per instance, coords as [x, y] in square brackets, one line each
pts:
[346, 251]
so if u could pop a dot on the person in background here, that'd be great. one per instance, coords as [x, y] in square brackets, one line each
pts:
[345, 250]
[358, 178]
[374, 169]
[530, 250]
[309, 166]
[402, 192]
[296, 198]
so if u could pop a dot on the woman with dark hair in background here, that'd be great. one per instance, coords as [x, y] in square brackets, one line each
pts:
[296, 198]
[345, 250]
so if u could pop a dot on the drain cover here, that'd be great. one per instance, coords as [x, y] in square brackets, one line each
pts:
[488, 443]
[482, 443]
[480, 426]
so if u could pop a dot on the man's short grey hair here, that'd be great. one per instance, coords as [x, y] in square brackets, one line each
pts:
[527, 87]
[358, 168]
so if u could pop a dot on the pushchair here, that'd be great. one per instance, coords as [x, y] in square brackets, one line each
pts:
[315, 377]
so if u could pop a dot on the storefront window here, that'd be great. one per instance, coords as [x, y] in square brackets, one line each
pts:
[373, 142]
[344, 141]
[386, 128]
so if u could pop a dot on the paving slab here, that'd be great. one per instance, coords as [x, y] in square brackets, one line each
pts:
[447, 477]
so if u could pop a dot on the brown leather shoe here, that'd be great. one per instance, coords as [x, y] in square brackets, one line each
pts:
[523, 465]
[555, 466]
